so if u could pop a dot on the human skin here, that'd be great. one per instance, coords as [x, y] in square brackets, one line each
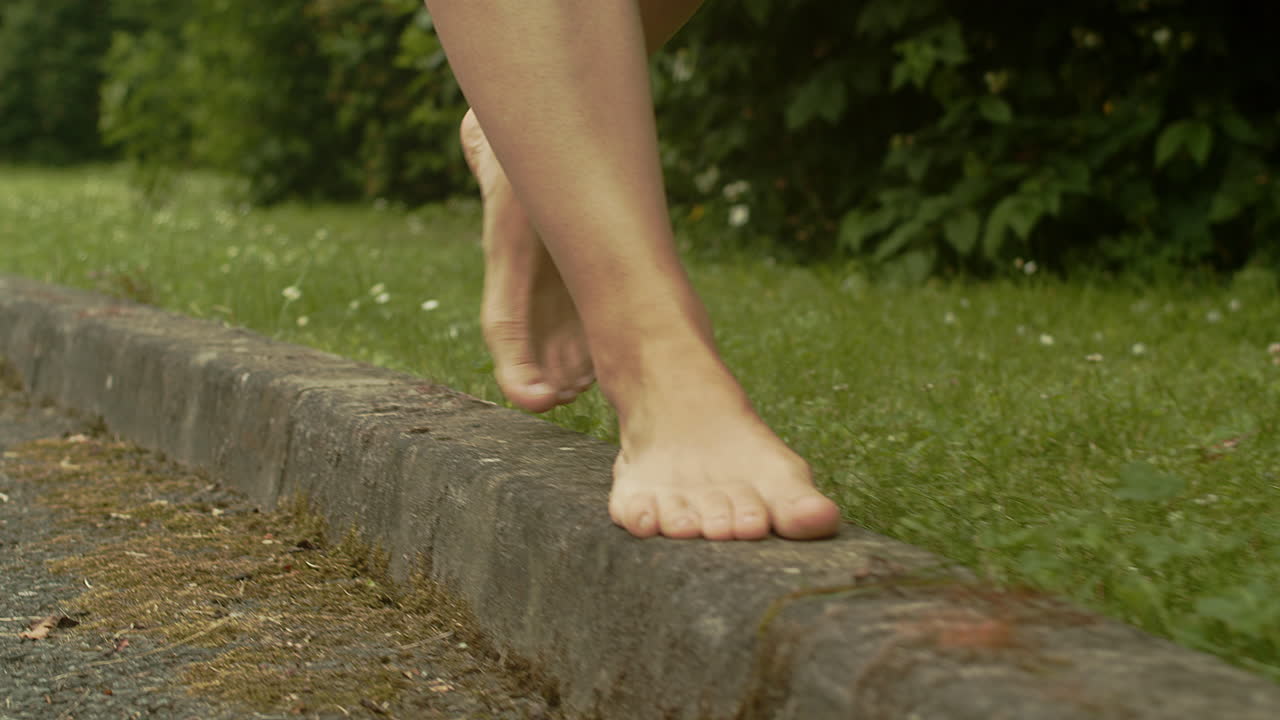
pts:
[582, 275]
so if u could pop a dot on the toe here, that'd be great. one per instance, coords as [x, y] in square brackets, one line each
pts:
[516, 368]
[715, 509]
[806, 517]
[677, 518]
[637, 513]
[750, 515]
[523, 386]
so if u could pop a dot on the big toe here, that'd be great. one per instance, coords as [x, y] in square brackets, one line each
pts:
[522, 384]
[637, 513]
[805, 517]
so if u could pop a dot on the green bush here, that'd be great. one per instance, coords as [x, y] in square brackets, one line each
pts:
[50, 70]
[922, 136]
[395, 99]
[146, 94]
[930, 136]
[330, 99]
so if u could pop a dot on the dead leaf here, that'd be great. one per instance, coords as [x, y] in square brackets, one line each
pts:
[78, 438]
[439, 686]
[4, 498]
[373, 706]
[121, 643]
[40, 629]
[66, 464]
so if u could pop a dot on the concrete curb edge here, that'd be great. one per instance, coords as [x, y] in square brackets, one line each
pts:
[506, 512]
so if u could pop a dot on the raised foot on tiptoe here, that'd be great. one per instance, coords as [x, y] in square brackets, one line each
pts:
[699, 467]
[530, 322]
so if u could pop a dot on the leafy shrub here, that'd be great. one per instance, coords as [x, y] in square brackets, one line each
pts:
[146, 93]
[300, 98]
[932, 136]
[395, 99]
[922, 136]
[50, 57]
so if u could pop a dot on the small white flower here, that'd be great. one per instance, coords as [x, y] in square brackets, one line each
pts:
[1234, 305]
[233, 251]
[1213, 317]
[322, 234]
[1138, 349]
[964, 303]
[682, 67]
[1030, 267]
[303, 320]
[949, 318]
[1161, 36]
[735, 190]
[1046, 339]
[1021, 329]
[291, 293]
[1274, 348]
[377, 289]
[1094, 357]
[430, 305]
[224, 268]
[739, 215]
[353, 305]
[382, 298]
[453, 332]
[706, 180]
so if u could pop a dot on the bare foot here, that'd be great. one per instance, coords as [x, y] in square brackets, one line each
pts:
[697, 461]
[530, 323]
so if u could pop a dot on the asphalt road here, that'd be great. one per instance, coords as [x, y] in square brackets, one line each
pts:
[90, 675]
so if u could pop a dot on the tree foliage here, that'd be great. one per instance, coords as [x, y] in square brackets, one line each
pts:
[919, 135]
[929, 136]
[300, 98]
[50, 71]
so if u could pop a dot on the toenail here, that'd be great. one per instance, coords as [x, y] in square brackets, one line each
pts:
[541, 389]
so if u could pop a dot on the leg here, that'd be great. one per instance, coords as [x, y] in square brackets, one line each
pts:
[530, 323]
[561, 89]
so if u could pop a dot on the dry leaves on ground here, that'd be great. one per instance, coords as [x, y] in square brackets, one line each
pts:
[40, 629]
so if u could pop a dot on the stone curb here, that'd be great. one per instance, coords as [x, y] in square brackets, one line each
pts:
[507, 513]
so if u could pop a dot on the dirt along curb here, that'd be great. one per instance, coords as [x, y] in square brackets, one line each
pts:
[506, 513]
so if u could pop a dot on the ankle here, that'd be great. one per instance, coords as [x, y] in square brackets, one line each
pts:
[667, 377]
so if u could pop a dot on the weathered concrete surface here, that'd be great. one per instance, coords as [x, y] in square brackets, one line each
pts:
[507, 512]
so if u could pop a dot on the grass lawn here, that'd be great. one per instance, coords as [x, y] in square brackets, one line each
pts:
[1118, 447]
